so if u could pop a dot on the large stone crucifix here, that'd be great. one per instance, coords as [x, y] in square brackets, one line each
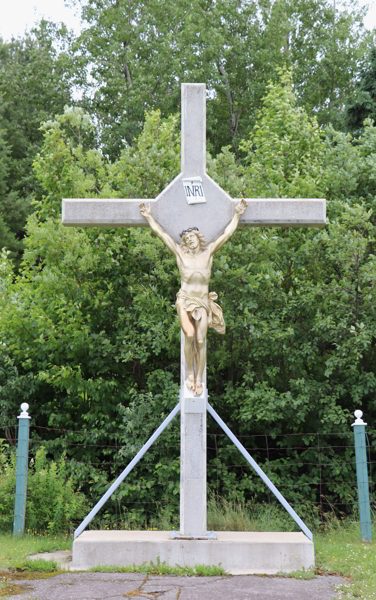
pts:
[194, 217]
[194, 204]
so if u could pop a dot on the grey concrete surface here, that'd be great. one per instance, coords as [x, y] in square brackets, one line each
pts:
[238, 552]
[112, 586]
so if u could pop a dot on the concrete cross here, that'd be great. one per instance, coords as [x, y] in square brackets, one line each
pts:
[193, 199]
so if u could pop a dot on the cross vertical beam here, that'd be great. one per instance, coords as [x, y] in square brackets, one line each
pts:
[193, 129]
[193, 511]
[193, 452]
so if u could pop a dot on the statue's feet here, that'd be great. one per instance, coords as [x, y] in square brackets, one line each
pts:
[190, 383]
[199, 388]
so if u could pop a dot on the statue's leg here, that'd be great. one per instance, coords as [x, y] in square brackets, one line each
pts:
[201, 327]
[189, 338]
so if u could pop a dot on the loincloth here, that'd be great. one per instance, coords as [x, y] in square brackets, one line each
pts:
[194, 307]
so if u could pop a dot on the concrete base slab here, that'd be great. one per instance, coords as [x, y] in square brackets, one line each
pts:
[63, 558]
[239, 553]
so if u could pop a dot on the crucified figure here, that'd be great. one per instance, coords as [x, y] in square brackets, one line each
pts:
[195, 304]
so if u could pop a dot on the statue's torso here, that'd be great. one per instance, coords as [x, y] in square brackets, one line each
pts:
[195, 272]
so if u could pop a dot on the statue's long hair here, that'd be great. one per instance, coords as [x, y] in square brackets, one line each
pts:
[201, 239]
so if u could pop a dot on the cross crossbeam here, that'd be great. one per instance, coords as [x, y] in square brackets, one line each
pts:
[175, 208]
[261, 212]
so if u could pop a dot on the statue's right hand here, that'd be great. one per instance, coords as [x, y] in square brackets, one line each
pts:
[145, 210]
[241, 206]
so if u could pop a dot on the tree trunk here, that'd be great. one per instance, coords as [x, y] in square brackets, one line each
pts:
[127, 73]
[233, 116]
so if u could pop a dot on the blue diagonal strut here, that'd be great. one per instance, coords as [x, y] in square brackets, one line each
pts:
[126, 471]
[260, 472]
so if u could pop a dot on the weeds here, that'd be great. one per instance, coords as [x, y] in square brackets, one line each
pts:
[162, 568]
[40, 564]
[299, 574]
[340, 551]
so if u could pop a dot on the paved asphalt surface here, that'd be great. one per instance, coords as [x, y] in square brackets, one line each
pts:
[114, 586]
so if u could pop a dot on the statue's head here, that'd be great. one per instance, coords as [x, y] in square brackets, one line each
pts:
[191, 238]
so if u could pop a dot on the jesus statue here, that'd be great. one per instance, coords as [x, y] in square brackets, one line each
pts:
[195, 304]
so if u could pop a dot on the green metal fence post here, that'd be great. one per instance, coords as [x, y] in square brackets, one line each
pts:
[362, 477]
[21, 471]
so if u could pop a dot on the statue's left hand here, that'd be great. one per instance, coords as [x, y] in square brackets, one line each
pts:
[241, 206]
[145, 210]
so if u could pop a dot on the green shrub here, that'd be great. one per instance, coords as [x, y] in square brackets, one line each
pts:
[7, 486]
[52, 503]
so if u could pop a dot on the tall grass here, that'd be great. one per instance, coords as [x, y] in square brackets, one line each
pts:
[231, 515]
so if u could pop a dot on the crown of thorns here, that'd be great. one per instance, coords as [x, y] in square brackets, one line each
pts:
[188, 230]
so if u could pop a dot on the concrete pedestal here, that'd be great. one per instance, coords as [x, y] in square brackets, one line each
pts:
[192, 466]
[192, 457]
[237, 552]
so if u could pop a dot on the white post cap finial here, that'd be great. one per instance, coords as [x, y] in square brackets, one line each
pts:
[358, 418]
[24, 408]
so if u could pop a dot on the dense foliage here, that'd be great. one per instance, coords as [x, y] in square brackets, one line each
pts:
[131, 57]
[362, 104]
[35, 84]
[91, 339]
[138, 53]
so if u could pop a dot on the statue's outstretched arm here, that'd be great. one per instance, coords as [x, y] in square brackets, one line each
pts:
[145, 210]
[230, 229]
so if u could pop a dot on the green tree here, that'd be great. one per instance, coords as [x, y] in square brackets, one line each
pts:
[10, 220]
[362, 104]
[325, 48]
[35, 84]
[284, 153]
[139, 53]
[88, 319]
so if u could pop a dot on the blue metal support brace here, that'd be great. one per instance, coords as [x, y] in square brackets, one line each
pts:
[260, 472]
[126, 471]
